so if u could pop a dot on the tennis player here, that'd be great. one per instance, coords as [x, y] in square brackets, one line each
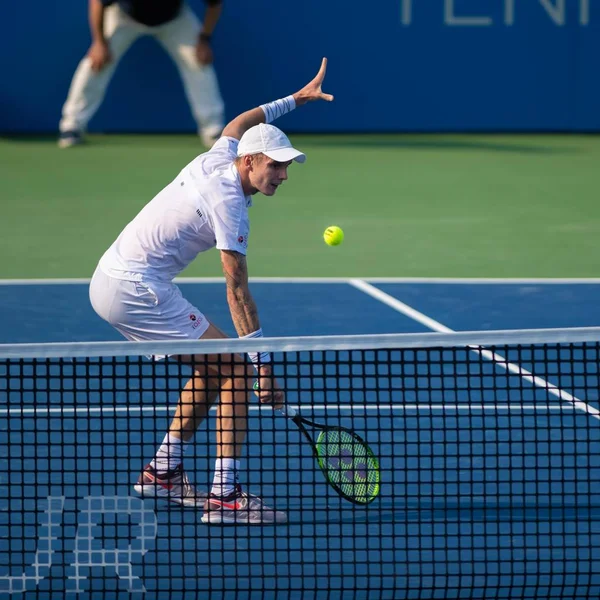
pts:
[205, 206]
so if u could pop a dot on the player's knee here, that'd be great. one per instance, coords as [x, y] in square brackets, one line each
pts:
[240, 386]
[199, 370]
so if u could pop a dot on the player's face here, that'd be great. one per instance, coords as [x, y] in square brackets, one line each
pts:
[268, 174]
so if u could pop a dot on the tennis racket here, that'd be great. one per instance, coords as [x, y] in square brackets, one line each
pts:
[349, 465]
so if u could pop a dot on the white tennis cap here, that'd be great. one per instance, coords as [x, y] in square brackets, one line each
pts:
[271, 141]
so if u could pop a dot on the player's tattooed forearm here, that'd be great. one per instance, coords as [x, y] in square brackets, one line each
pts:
[236, 270]
[243, 309]
[244, 317]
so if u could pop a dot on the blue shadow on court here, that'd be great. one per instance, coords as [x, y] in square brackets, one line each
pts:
[62, 313]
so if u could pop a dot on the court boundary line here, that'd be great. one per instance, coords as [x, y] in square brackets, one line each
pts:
[494, 357]
[128, 410]
[340, 280]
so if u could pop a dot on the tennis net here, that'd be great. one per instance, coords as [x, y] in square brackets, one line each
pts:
[488, 445]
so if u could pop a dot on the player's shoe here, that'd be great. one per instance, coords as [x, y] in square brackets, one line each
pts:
[173, 485]
[66, 139]
[240, 508]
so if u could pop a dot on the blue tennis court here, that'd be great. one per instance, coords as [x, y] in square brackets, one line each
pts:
[490, 463]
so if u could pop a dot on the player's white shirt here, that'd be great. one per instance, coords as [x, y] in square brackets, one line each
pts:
[202, 208]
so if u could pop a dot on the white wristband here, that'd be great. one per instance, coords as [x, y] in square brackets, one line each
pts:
[257, 358]
[278, 108]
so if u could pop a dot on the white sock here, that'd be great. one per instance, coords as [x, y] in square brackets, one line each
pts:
[169, 455]
[226, 476]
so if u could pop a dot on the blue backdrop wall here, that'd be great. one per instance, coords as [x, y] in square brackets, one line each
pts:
[395, 65]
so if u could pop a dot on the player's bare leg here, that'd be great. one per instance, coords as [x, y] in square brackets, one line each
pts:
[196, 398]
[230, 377]
[164, 476]
[235, 379]
[228, 502]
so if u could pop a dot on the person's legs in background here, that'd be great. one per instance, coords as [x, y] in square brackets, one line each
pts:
[179, 38]
[87, 86]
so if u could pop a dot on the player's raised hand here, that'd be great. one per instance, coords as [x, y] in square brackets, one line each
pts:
[312, 90]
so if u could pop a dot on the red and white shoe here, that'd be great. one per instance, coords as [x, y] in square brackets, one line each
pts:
[173, 485]
[240, 508]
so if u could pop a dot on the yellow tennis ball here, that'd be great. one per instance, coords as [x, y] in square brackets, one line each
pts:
[333, 236]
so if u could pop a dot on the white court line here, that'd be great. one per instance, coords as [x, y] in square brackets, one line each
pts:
[131, 410]
[488, 355]
[342, 280]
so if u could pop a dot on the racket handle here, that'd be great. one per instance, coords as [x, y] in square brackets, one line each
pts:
[287, 411]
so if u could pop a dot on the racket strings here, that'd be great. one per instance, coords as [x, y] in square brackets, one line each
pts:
[348, 464]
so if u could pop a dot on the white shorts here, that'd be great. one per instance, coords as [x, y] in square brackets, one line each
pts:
[143, 311]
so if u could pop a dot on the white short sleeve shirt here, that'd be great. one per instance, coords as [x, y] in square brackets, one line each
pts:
[203, 208]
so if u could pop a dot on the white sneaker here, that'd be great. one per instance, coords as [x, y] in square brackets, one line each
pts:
[173, 485]
[240, 508]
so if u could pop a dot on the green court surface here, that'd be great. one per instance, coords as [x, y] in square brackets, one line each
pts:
[410, 205]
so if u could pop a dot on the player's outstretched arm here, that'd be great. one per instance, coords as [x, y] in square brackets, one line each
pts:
[269, 112]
